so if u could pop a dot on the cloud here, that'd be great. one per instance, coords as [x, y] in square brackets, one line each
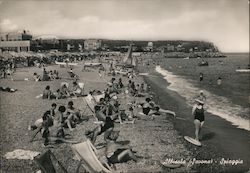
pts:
[225, 23]
[7, 25]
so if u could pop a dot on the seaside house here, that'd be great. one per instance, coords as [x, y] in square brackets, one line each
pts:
[92, 44]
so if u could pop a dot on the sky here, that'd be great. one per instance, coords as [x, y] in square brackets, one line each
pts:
[223, 22]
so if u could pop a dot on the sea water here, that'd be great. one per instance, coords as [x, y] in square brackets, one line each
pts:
[229, 101]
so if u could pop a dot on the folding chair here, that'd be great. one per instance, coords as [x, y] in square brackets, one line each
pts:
[45, 162]
[86, 154]
[81, 85]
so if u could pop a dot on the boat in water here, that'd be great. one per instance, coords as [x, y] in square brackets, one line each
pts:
[203, 63]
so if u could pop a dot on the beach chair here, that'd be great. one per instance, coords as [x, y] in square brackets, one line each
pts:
[81, 85]
[48, 163]
[86, 154]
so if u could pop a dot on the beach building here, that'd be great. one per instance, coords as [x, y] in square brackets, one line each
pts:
[92, 44]
[150, 46]
[15, 36]
[15, 41]
[170, 48]
[16, 46]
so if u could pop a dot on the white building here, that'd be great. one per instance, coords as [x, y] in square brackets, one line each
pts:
[16, 46]
[92, 44]
[150, 46]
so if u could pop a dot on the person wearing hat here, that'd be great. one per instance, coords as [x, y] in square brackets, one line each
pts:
[201, 97]
[199, 117]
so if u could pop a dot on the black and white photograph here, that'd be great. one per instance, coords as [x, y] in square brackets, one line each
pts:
[124, 86]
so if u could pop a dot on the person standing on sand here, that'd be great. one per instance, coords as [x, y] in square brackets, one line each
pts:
[201, 77]
[219, 81]
[199, 117]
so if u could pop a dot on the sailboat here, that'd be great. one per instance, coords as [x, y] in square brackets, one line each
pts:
[129, 61]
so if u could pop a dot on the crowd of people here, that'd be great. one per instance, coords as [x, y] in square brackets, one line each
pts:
[64, 92]
[7, 69]
[109, 111]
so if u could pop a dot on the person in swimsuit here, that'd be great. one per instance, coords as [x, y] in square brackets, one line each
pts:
[157, 111]
[199, 118]
[117, 153]
[146, 106]
[106, 128]
[48, 94]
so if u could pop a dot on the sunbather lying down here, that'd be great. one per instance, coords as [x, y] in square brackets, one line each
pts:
[117, 153]
[7, 89]
[106, 127]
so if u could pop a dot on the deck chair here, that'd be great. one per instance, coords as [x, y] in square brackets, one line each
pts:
[86, 154]
[81, 85]
[90, 102]
[48, 163]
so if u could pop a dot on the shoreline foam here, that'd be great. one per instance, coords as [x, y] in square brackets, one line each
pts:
[221, 110]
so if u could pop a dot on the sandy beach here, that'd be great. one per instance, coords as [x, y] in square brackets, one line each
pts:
[154, 140]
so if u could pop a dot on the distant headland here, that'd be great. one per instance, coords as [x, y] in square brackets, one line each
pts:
[170, 48]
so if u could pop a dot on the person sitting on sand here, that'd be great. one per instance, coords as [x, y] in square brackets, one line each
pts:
[199, 117]
[42, 125]
[146, 107]
[51, 75]
[125, 118]
[120, 84]
[36, 77]
[105, 127]
[76, 90]
[72, 74]
[56, 74]
[148, 89]
[63, 92]
[59, 123]
[48, 94]
[76, 114]
[100, 116]
[112, 106]
[50, 113]
[142, 90]
[117, 153]
[45, 75]
[112, 88]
